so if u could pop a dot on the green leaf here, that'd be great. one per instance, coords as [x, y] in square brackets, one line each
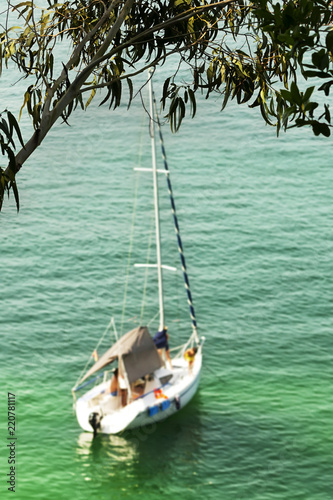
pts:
[316, 74]
[27, 97]
[210, 73]
[193, 101]
[16, 195]
[295, 94]
[320, 59]
[28, 4]
[308, 94]
[326, 87]
[327, 114]
[165, 91]
[329, 41]
[325, 130]
[12, 162]
[92, 95]
[13, 123]
[310, 107]
[227, 93]
[4, 127]
[320, 128]
[173, 106]
[130, 86]
[286, 95]
[107, 96]
[181, 113]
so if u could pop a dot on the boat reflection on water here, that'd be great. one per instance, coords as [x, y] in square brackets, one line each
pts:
[177, 436]
[117, 448]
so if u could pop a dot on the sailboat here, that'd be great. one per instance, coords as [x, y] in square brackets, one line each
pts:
[147, 385]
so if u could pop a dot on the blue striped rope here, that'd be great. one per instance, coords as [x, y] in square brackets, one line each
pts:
[175, 219]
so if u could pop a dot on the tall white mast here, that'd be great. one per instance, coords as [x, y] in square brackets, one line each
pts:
[157, 218]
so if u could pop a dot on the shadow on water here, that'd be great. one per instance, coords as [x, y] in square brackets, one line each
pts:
[146, 454]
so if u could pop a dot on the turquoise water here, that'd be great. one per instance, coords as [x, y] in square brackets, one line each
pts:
[256, 218]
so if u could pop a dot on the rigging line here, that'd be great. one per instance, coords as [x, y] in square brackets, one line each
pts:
[152, 319]
[111, 323]
[175, 219]
[129, 254]
[136, 189]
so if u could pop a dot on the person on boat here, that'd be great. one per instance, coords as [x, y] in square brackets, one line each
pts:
[138, 388]
[189, 357]
[161, 340]
[122, 389]
[114, 383]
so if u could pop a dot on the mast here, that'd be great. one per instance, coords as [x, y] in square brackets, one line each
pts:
[175, 219]
[156, 207]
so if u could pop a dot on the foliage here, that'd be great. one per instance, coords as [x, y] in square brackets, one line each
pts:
[7, 179]
[263, 53]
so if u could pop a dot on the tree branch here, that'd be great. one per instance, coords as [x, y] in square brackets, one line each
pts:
[49, 117]
[76, 54]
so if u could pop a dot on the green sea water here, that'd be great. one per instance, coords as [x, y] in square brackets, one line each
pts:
[256, 218]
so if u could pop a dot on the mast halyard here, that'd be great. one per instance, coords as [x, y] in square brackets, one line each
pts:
[156, 207]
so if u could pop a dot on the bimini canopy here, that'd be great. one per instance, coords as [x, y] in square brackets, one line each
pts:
[137, 351]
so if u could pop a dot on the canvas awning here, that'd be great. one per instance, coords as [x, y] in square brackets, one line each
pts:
[138, 352]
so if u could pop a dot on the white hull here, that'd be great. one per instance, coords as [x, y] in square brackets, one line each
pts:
[147, 409]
